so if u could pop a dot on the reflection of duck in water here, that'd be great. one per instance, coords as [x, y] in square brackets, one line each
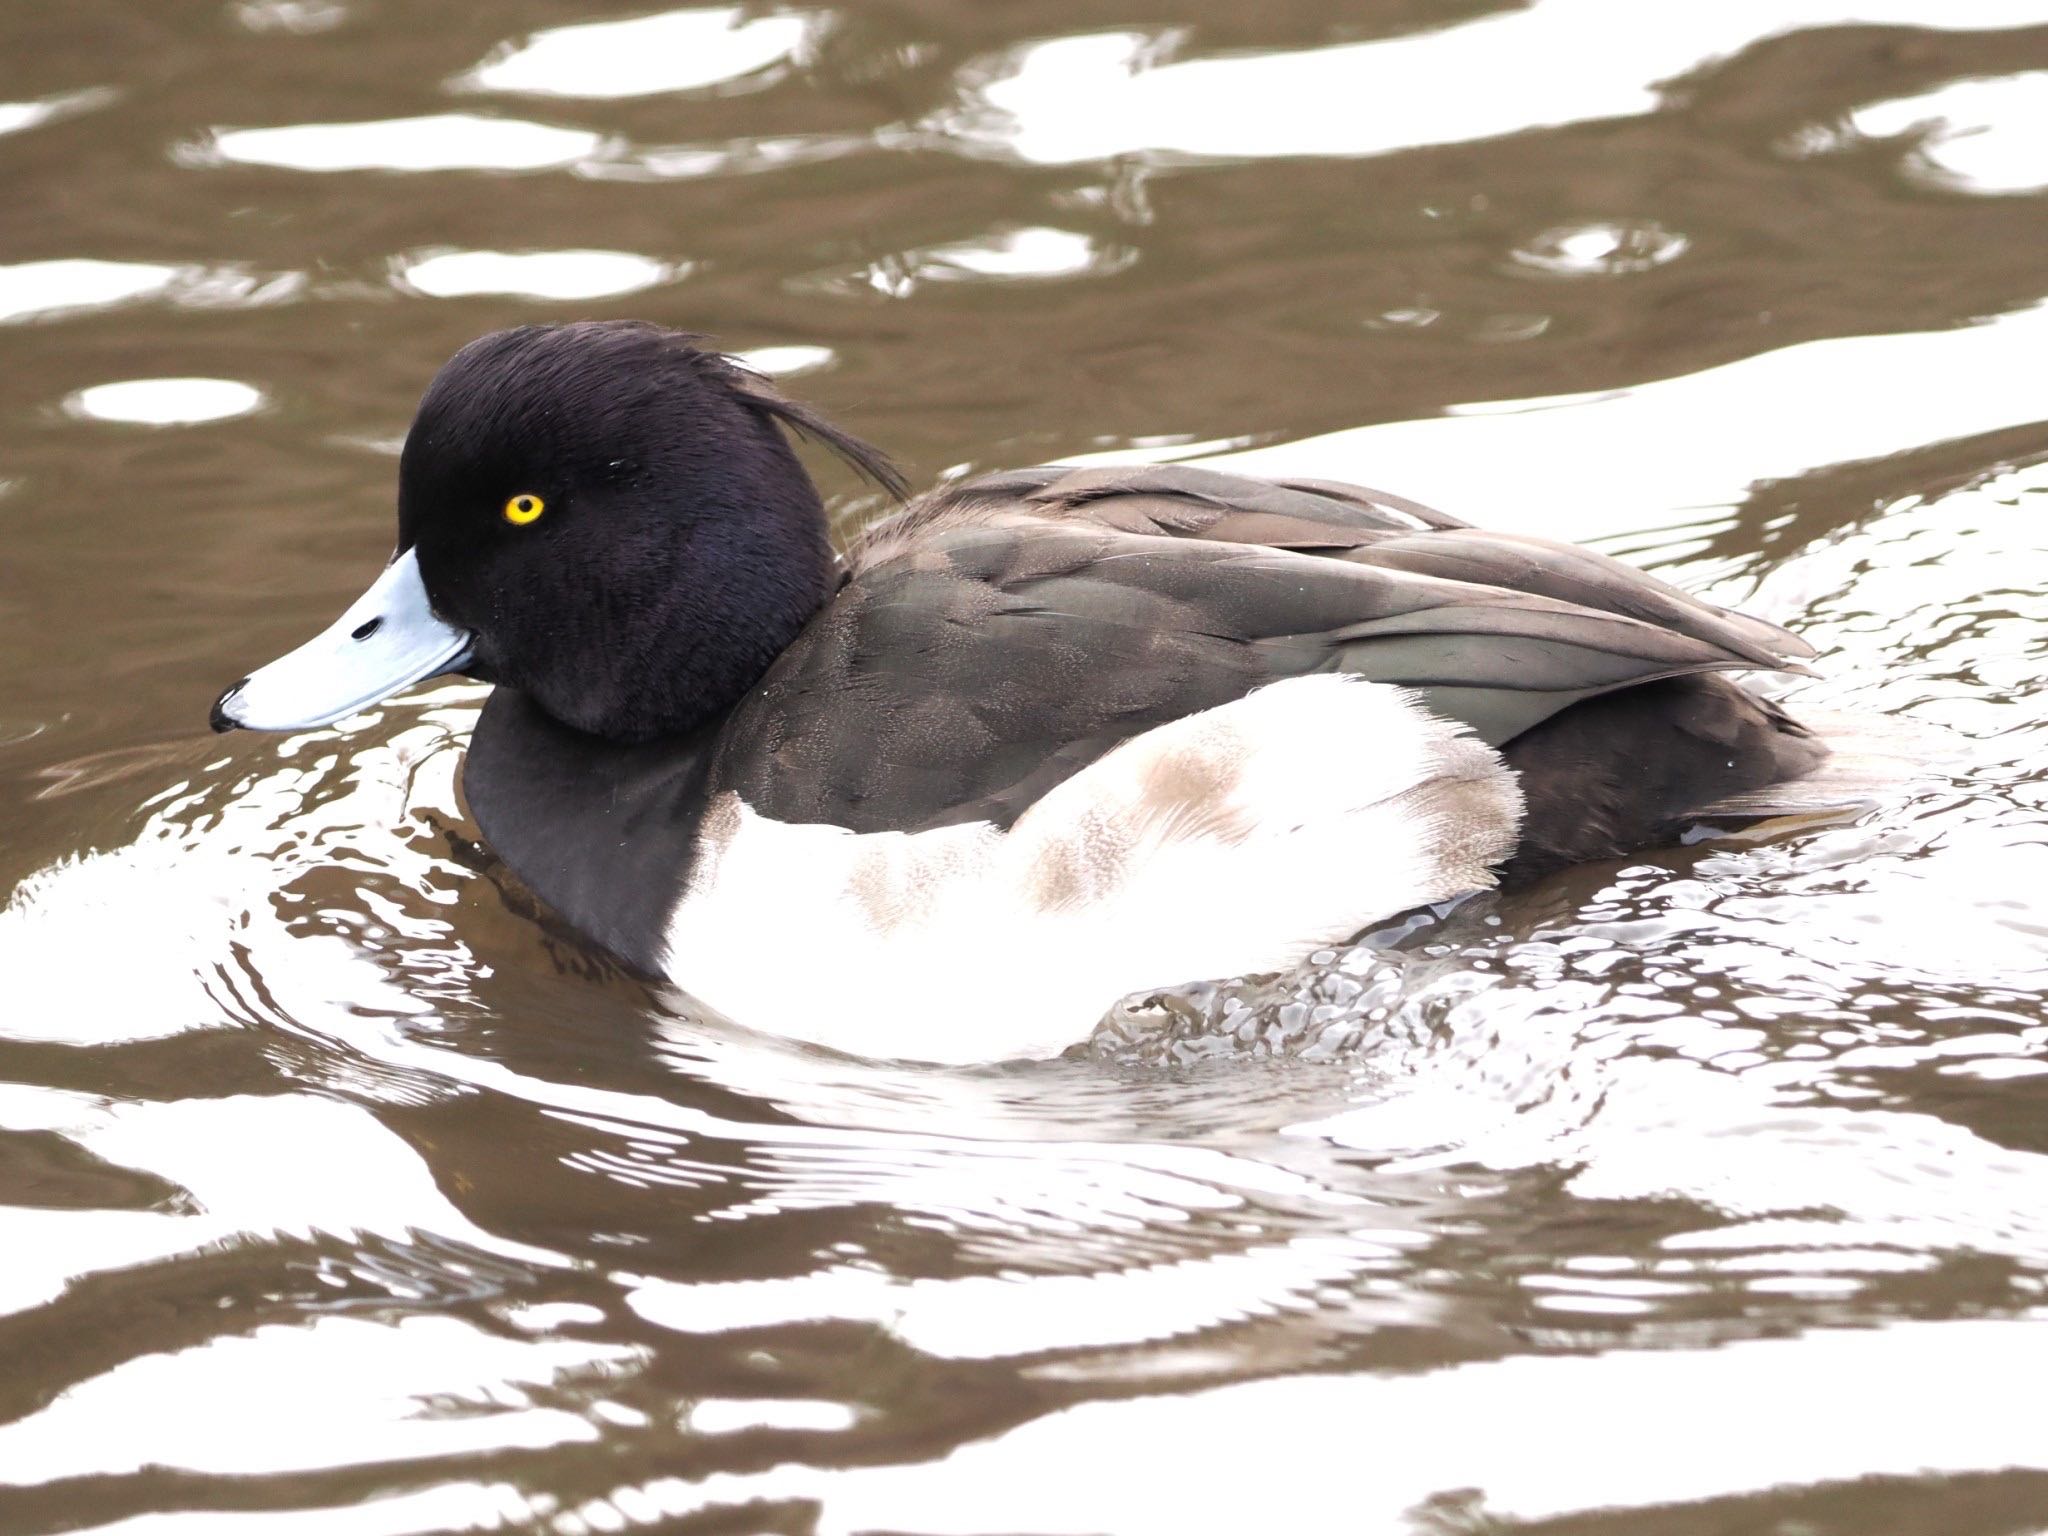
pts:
[1043, 738]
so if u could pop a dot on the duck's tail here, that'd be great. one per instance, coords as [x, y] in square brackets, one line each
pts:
[1687, 757]
[1872, 761]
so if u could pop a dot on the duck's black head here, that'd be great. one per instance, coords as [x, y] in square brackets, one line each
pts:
[601, 515]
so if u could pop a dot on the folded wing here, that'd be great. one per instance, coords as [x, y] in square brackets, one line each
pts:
[1049, 614]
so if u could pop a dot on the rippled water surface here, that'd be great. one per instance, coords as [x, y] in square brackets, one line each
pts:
[1703, 1192]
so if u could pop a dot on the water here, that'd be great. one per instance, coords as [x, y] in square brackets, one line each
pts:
[1702, 1191]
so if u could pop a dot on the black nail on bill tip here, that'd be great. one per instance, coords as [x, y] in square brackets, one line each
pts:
[220, 719]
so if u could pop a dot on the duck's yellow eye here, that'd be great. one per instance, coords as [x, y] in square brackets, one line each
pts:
[524, 509]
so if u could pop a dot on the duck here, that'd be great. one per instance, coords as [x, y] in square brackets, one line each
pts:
[1037, 740]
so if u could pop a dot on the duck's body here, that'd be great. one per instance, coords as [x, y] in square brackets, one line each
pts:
[1047, 737]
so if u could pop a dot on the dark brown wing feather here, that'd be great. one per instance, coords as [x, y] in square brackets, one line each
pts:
[997, 636]
[1375, 528]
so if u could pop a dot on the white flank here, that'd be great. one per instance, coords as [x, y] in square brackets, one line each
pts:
[1232, 841]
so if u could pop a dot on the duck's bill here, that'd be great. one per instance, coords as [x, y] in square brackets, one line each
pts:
[387, 640]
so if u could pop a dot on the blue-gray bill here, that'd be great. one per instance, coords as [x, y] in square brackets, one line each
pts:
[388, 639]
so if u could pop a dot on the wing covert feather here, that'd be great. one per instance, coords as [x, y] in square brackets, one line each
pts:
[999, 636]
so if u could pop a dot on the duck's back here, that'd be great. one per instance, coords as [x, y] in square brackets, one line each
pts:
[996, 637]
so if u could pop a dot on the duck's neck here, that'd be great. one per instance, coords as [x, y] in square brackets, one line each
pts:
[601, 832]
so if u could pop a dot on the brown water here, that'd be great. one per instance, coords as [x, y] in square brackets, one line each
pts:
[1703, 1193]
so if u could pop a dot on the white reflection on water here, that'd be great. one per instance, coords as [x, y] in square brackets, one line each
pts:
[539, 274]
[1036, 252]
[987, 1317]
[166, 402]
[1092, 97]
[325, 1167]
[356, 1391]
[1985, 136]
[682, 50]
[33, 288]
[786, 361]
[302, 17]
[1600, 249]
[17, 116]
[727, 1415]
[434, 1510]
[199, 878]
[1742, 1418]
[1627, 1109]
[1506, 1438]
[1579, 466]
[732, 157]
[451, 141]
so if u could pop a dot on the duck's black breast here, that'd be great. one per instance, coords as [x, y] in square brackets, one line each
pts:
[603, 833]
[994, 639]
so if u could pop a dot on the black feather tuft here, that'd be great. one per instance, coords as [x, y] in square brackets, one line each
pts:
[762, 395]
